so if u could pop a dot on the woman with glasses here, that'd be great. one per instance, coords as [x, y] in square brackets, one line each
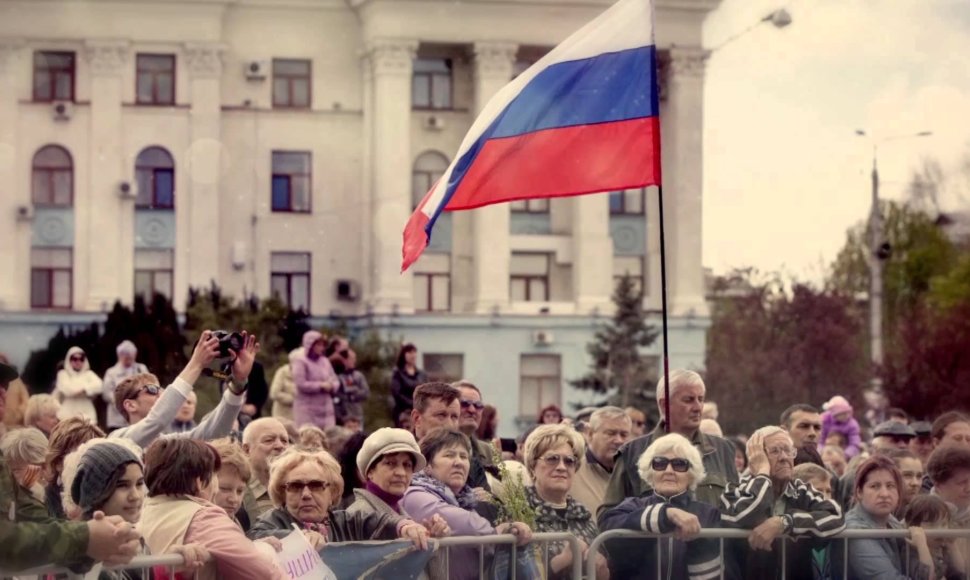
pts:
[553, 454]
[305, 486]
[672, 467]
[773, 504]
[76, 384]
[442, 488]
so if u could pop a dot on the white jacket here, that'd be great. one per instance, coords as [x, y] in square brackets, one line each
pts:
[74, 389]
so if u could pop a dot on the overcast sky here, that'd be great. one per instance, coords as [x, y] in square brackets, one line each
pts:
[784, 173]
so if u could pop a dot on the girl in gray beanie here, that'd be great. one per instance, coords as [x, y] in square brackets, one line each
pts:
[107, 476]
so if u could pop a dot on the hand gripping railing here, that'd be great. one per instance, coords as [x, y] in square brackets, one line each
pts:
[731, 533]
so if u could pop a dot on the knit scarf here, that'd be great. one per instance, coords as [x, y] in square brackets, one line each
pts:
[464, 499]
[390, 499]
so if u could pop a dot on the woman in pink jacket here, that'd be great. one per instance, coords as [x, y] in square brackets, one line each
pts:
[315, 384]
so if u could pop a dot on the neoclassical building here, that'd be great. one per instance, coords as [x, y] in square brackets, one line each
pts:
[279, 146]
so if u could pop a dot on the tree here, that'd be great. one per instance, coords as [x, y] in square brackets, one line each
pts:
[617, 365]
[773, 343]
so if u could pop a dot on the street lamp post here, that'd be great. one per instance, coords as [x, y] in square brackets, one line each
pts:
[879, 252]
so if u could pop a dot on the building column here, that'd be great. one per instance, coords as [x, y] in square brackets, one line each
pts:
[490, 224]
[592, 253]
[103, 239]
[389, 107]
[15, 291]
[683, 174]
[199, 258]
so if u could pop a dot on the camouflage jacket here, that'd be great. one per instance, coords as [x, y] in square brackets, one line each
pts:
[26, 545]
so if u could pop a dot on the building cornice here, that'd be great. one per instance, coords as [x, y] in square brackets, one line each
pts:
[681, 5]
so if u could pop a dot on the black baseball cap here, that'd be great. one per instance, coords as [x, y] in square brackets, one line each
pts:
[922, 428]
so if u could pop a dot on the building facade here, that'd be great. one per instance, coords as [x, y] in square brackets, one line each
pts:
[279, 146]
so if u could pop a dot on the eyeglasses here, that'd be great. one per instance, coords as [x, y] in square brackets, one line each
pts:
[781, 452]
[661, 463]
[465, 403]
[554, 460]
[153, 390]
[315, 486]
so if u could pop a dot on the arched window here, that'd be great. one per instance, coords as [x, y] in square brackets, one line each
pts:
[155, 174]
[428, 168]
[53, 177]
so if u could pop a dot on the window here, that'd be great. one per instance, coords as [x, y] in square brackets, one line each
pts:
[428, 169]
[50, 277]
[431, 84]
[629, 201]
[53, 177]
[153, 273]
[628, 266]
[539, 382]
[432, 283]
[529, 277]
[291, 83]
[531, 206]
[53, 76]
[155, 79]
[445, 368]
[155, 174]
[289, 279]
[291, 181]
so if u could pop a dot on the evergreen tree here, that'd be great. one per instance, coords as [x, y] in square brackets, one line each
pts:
[617, 367]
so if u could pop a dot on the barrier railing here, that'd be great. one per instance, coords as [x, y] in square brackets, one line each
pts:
[730, 533]
[540, 541]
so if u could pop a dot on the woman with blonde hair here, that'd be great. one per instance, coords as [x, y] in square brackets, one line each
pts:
[43, 412]
[553, 455]
[24, 451]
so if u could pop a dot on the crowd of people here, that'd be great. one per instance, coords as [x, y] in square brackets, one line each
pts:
[222, 492]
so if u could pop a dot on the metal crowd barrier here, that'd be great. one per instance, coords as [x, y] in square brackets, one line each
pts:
[732, 533]
[539, 541]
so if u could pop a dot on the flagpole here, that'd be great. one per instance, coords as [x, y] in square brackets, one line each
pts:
[663, 305]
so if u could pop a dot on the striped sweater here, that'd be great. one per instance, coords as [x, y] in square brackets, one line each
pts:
[752, 501]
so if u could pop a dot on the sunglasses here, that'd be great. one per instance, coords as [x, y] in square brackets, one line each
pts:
[661, 463]
[315, 486]
[554, 460]
[77, 358]
[465, 403]
[153, 390]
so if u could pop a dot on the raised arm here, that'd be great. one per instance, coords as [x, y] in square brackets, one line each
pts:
[747, 504]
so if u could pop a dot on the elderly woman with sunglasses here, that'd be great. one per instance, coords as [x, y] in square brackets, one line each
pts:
[304, 487]
[442, 488]
[553, 454]
[671, 467]
[76, 384]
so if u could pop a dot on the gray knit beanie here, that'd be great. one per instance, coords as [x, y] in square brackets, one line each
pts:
[97, 475]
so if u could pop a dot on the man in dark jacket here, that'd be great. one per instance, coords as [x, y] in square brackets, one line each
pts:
[687, 393]
[772, 504]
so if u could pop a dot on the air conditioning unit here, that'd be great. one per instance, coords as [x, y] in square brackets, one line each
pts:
[25, 213]
[257, 70]
[434, 123]
[126, 190]
[62, 110]
[348, 290]
[542, 338]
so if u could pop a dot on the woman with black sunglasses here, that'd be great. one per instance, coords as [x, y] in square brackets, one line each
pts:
[672, 468]
[76, 385]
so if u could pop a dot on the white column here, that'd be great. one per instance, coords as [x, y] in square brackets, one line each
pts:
[390, 191]
[198, 253]
[14, 294]
[592, 253]
[683, 146]
[103, 232]
[490, 224]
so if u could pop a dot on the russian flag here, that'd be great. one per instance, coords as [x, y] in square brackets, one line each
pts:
[584, 119]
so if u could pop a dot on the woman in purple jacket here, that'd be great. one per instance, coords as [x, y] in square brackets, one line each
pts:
[442, 488]
[315, 384]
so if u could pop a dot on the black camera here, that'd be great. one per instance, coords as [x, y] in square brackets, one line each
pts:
[228, 341]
